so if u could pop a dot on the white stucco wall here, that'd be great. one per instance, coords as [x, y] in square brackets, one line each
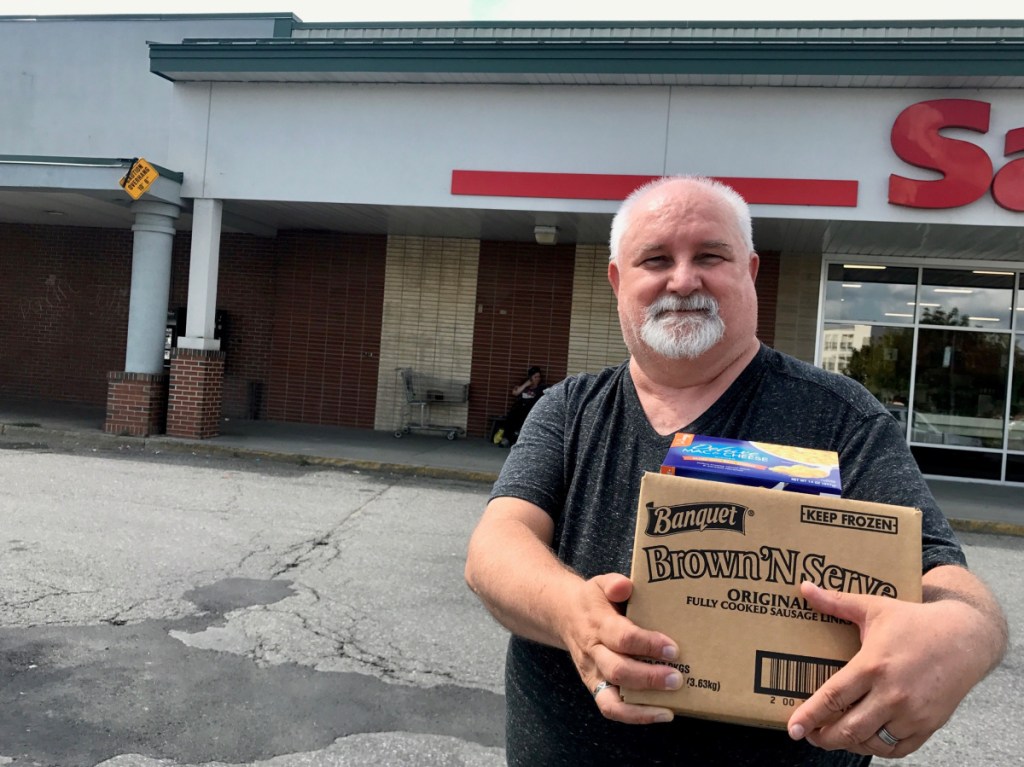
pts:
[82, 87]
[398, 144]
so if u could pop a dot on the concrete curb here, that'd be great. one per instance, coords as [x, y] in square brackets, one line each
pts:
[36, 436]
[234, 451]
[989, 528]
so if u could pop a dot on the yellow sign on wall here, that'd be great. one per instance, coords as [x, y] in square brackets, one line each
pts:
[138, 178]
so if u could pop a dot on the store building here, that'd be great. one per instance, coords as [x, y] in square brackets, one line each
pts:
[331, 204]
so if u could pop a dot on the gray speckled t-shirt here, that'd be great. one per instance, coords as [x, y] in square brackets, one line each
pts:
[581, 457]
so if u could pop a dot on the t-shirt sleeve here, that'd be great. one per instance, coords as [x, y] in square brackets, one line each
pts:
[535, 468]
[877, 465]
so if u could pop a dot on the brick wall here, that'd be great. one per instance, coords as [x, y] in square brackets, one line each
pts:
[246, 295]
[136, 404]
[429, 314]
[325, 342]
[767, 286]
[64, 295]
[595, 337]
[523, 304]
[195, 393]
[796, 319]
[311, 325]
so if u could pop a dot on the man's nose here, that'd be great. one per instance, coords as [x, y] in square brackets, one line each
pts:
[683, 279]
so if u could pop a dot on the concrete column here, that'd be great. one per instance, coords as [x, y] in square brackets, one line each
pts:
[202, 277]
[151, 283]
[195, 391]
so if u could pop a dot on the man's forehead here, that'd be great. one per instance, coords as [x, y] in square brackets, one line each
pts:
[679, 199]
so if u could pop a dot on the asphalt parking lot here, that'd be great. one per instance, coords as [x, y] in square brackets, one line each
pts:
[187, 609]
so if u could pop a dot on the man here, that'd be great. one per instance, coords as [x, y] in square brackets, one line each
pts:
[551, 553]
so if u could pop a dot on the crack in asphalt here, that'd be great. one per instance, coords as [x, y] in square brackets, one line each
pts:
[306, 549]
[76, 696]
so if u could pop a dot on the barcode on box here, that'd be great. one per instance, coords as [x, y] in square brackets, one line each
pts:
[795, 676]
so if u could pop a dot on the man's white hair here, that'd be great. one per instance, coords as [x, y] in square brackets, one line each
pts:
[726, 193]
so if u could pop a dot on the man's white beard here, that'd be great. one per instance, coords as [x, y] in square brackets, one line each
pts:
[682, 336]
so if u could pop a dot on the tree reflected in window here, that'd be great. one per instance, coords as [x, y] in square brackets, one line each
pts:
[960, 393]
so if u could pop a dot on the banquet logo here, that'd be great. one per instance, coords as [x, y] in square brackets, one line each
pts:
[694, 517]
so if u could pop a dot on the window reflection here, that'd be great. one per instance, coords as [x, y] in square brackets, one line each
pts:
[1020, 302]
[877, 356]
[870, 293]
[966, 298]
[951, 338]
[959, 394]
[1016, 431]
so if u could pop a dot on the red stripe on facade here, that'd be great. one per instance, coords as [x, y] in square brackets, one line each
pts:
[604, 186]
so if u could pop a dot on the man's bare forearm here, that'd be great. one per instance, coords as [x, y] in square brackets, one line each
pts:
[950, 582]
[517, 576]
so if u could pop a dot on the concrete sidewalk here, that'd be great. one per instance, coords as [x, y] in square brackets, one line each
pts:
[974, 506]
[431, 454]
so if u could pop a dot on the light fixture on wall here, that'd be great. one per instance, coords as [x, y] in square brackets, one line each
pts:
[545, 234]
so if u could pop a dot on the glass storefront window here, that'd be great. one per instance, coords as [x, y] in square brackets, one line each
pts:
[1014, 468]
[877, 356]
[1015, 437]
[1020, 302]
[870, 293]
[966, 298]
[960, 391]
[969, 464]
[950, 338]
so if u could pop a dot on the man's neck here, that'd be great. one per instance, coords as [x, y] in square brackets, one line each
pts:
[674, 393]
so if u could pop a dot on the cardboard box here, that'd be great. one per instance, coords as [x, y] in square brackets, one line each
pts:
[760, 464]
[717, 567]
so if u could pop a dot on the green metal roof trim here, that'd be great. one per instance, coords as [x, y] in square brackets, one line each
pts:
[941, 48]
[804, 57]
[627, 24]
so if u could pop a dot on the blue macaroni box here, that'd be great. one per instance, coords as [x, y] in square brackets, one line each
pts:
[759, 464]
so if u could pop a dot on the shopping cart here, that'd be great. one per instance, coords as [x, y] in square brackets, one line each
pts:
[423, 393]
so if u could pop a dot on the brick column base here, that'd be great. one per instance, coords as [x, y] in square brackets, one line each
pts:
[196, 393]
[136, 404]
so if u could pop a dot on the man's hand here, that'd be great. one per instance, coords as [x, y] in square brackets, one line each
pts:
[915, 665]
[603, 643]
[513, 570]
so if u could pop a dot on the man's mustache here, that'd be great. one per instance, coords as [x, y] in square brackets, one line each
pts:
[695, 303]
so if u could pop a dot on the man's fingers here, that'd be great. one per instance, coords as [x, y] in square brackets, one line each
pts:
[617, 588]
[640, 643]
[622, 635]
[829, 704]
[612, 707]
[610, 651]
[636, 674]
[850, 607]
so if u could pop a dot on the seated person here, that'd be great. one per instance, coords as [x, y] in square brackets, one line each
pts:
[526, 395]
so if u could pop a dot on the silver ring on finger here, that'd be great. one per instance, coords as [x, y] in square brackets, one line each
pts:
[887, 737]
[601, 686]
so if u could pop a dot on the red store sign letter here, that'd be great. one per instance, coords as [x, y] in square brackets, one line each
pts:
[965, 167]
[1008, 185]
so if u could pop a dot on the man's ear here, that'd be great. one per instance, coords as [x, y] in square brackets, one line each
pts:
[613, 277]
[755, 262]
